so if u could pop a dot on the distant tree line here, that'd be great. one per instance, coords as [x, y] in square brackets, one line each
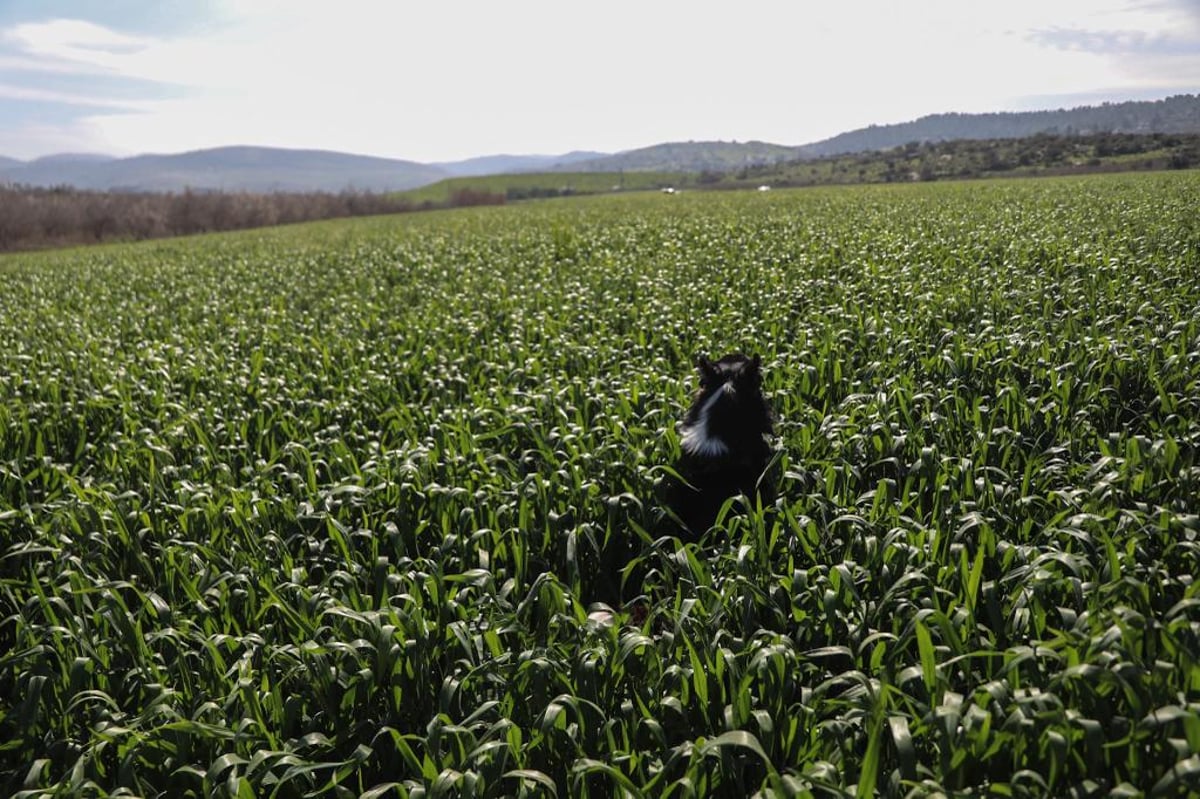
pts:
[32, 218]
[1042, 154]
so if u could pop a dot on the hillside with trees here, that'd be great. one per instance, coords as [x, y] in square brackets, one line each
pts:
[689, 156]
[1040, 155]
[1178, 114]
[1043, 154]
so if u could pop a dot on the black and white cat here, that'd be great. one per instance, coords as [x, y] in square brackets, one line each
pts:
[724, 441]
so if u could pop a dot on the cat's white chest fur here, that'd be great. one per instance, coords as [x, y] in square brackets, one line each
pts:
[696, 438]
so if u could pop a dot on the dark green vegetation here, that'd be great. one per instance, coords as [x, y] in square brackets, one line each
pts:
[536, 185]
[1039, 155]
[320, 511]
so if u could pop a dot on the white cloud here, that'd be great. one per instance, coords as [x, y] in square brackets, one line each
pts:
[12, 92]
[66, 43]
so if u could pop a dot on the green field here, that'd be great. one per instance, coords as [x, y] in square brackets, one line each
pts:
[534, 185]
[321, 510]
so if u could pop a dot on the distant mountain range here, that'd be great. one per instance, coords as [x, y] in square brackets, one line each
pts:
[259, 169]
[268, 169]
[508, 164]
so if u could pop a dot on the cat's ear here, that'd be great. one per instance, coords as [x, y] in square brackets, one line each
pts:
[751, 371]
[708, 372]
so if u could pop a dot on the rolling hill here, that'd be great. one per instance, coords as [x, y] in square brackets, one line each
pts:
[258, 169]
[266, 169]
[704, 156]
[511, 164]
[1178, 114]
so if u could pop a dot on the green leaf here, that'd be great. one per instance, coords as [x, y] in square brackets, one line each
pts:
[928, 657]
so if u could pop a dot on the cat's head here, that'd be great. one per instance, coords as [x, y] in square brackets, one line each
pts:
[728, 411]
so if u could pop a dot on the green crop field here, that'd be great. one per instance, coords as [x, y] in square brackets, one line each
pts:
[532, 185]
[324, 510]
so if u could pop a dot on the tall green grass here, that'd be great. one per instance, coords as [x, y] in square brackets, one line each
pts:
[323, 511]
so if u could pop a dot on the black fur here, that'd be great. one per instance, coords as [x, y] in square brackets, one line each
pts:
[725, 450]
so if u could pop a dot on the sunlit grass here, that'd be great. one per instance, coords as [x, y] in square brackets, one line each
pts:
[323, 511]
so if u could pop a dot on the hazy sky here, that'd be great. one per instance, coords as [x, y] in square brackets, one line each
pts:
[442, 80]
